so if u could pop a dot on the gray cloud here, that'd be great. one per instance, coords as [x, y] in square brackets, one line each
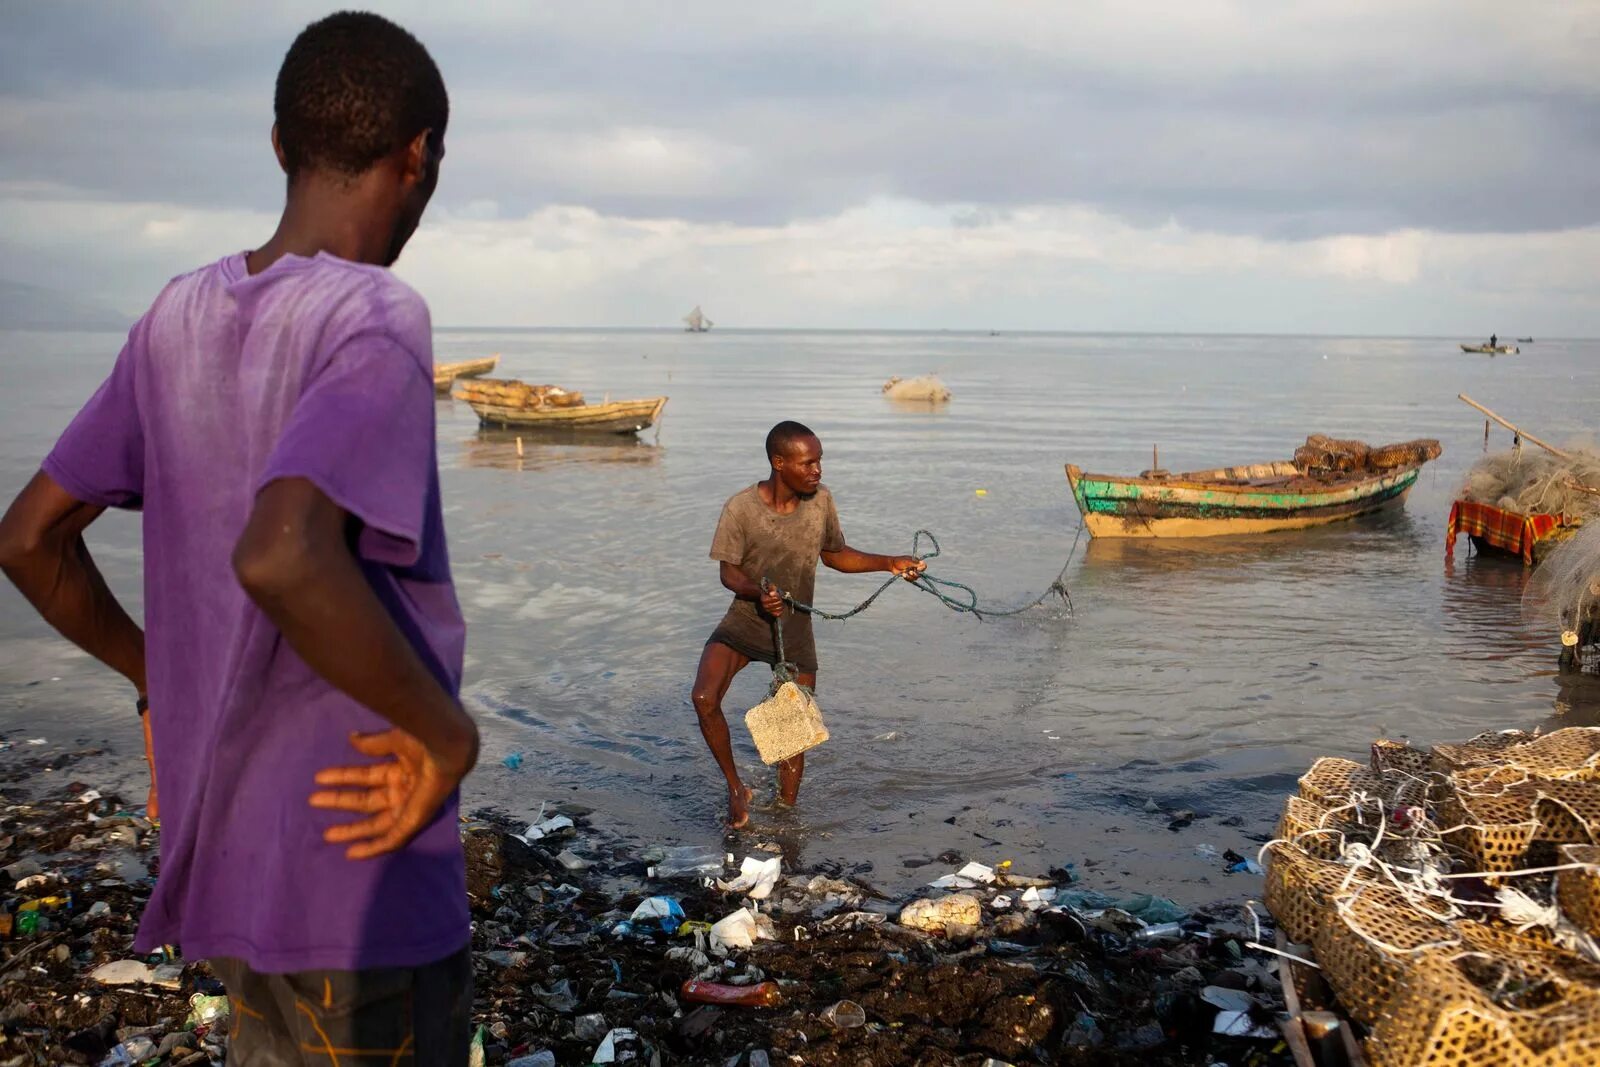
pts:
[1356, 121]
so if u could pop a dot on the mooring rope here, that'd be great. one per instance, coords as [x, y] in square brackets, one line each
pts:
[936, 587]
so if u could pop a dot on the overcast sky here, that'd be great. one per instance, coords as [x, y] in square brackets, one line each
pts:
[1364, 166]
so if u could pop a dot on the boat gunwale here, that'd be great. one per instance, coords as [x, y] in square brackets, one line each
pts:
[1240, 487]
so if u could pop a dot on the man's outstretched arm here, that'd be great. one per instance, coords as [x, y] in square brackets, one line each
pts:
[853, 561]
[295, 560]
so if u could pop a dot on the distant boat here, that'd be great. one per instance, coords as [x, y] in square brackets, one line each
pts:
[615, 417]
[445, 374]
[1492, 350]
[1524, 340]
[696, 321]
[516, 405]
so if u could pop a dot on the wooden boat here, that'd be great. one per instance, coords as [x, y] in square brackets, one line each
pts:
[620, 416]
[1496, 350]
[444, 374]
[1230, 500]
[1524, 340]
[696, 321]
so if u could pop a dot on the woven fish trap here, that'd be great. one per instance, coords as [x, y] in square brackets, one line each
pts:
[1398, 757]
[1489, 815]
[1322, 453]
[1300, 890]
[1404, 454]
[1312, 827]
[1469, 1011]
[1505, 817]
[1332, 783]
[512, 393]
[1340, 783]
[1578, 891]
[1534, 952]
[786, 724]
[1485, 748]
[1568, 813]
[1369, 944]
[1573, 753]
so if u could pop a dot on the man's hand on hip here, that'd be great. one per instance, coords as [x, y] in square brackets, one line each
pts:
[401, 794]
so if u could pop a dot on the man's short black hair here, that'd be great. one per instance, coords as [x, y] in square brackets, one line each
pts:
[354, 88]
[781, 436]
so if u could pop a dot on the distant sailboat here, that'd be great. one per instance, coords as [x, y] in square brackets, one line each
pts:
[696, 322]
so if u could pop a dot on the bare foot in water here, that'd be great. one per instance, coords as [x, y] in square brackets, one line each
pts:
[739, 807]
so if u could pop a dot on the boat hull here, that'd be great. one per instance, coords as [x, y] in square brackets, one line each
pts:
[620, 417]
[1169, 508]
[1501, 350]
[445, 374]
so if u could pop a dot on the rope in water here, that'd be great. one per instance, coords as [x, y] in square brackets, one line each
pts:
[935, 587]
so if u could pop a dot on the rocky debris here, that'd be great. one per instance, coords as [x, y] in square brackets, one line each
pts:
[71, 989]
[589, 964]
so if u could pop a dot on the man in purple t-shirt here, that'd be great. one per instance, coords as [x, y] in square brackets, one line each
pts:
[272, 416]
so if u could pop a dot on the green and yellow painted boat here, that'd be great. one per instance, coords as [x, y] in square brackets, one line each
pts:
[1261, 498]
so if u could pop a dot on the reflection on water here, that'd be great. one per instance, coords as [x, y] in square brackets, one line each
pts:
[1205, 674]
[1577, 699]
[525, 450]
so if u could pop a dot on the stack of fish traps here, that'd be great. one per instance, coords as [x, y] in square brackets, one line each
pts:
[1330, 455]
[1451, 897]
[511, 393]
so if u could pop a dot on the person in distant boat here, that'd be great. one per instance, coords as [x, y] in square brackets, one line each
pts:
[1494, 340]
[775, 530]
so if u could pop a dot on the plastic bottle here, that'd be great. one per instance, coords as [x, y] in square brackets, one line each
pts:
[761, 995]
[688, 860]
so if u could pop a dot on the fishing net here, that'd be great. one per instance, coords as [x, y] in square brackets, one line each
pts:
[1535, 482]
[1452, 897]
[1329, 455]
[1565, 591]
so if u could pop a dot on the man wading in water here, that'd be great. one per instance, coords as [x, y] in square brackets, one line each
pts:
[775, 529]
[272, 415]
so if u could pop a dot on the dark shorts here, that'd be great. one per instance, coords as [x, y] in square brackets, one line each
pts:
[798, 646]
[377, 1018]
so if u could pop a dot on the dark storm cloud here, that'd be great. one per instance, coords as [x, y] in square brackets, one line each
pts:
[727, 117]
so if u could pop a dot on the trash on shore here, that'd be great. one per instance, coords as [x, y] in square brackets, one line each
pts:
[926, 388]
[1450, 898]
[818, 970]
[756, 878]
[761, 995]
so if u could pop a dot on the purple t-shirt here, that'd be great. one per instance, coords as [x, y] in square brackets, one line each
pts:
[318, 369]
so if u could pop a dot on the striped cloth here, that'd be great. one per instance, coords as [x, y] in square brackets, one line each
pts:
[1507, 530]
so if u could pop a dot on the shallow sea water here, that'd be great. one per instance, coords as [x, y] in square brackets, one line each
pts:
[1203, 675]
